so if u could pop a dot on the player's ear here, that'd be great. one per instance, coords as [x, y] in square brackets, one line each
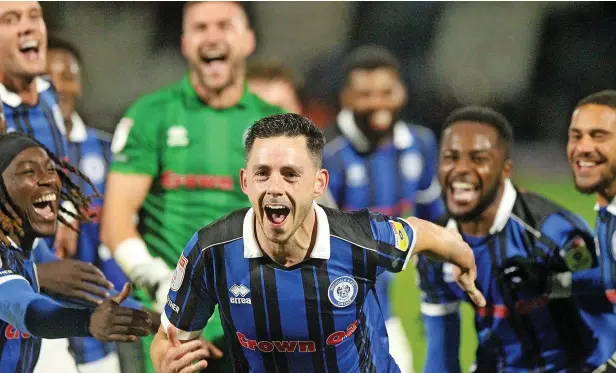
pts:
[244, 180]
[321, 182]
[250, 42]
[507, 169]
[345, 97]
[183, 46]
[403, 94]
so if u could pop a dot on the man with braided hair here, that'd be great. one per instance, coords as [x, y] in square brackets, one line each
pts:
[30, 191]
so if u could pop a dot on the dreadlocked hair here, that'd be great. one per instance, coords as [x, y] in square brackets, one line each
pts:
[11, 223]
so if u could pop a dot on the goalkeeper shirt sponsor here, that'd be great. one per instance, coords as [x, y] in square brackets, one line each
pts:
[194, 154]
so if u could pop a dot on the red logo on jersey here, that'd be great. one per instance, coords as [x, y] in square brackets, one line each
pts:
[11, 333]
[280, 346]
[290, 346]
[337, 337]
[171, 180]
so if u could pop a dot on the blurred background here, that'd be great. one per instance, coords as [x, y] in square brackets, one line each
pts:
[530, 60]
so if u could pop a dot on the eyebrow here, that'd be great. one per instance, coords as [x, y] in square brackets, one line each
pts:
[259, 167]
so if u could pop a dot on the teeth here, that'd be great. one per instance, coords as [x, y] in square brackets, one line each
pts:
[29, 44]
[586, 164]
[275, 207]
[462, 185]
[214, 55]
[46, 198]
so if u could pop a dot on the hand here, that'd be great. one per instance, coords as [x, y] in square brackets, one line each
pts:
[66, 239]
[73, 279]
[187, 357]
[112, 323]
[466, 280]
[155, 316]
[465, 270]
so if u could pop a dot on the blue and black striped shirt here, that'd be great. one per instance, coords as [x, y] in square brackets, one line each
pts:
[321, 315]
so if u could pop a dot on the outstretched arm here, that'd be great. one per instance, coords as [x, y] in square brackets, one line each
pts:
[445, 245]
[43, 317]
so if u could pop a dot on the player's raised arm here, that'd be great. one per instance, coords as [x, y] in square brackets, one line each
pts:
[445, 245]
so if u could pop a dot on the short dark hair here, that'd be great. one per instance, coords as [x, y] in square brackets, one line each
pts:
[288, 125]
[369, 57]
[604, 98]
[54, 42]
[487, 116]
[272, 70]
[246, 8]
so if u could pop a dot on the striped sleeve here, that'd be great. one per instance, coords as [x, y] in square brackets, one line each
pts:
[6, 272]
[189, 304]
[395, 240]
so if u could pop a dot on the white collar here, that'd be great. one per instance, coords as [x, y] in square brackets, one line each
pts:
[402, 136]
[611, 208]
[78, 131]
[321, 248]
[502, 213]
[13, 100]
[34, 243]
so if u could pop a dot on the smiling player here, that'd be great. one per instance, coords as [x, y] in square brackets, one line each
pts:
[177, 152]
[305, 275]
[30, 192]
[590, 149]
[536, 262]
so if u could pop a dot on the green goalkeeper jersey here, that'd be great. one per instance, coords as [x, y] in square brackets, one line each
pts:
[194, 154]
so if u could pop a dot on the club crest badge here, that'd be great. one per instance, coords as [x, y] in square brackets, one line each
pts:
[178, 274]
[342, 291]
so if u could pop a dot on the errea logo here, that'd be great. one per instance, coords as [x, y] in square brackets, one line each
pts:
[239, 293]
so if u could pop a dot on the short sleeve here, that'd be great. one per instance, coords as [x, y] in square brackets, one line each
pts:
[575, 244]
[135, 141]
[395, 239]
[189, 303]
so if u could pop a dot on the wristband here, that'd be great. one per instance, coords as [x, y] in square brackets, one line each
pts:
[140, 267]
[132, 253]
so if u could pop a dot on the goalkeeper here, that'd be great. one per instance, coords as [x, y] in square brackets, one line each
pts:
[178, 152]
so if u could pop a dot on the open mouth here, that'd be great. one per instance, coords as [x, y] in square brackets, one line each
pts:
[213, 57]
[45, 207]
[586, 165]
[277, 214]
[30, 49]
[463, 192]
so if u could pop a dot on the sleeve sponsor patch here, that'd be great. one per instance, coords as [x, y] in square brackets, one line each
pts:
[577, 255]
[402, 239]
[120, 135]
[178, 274]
